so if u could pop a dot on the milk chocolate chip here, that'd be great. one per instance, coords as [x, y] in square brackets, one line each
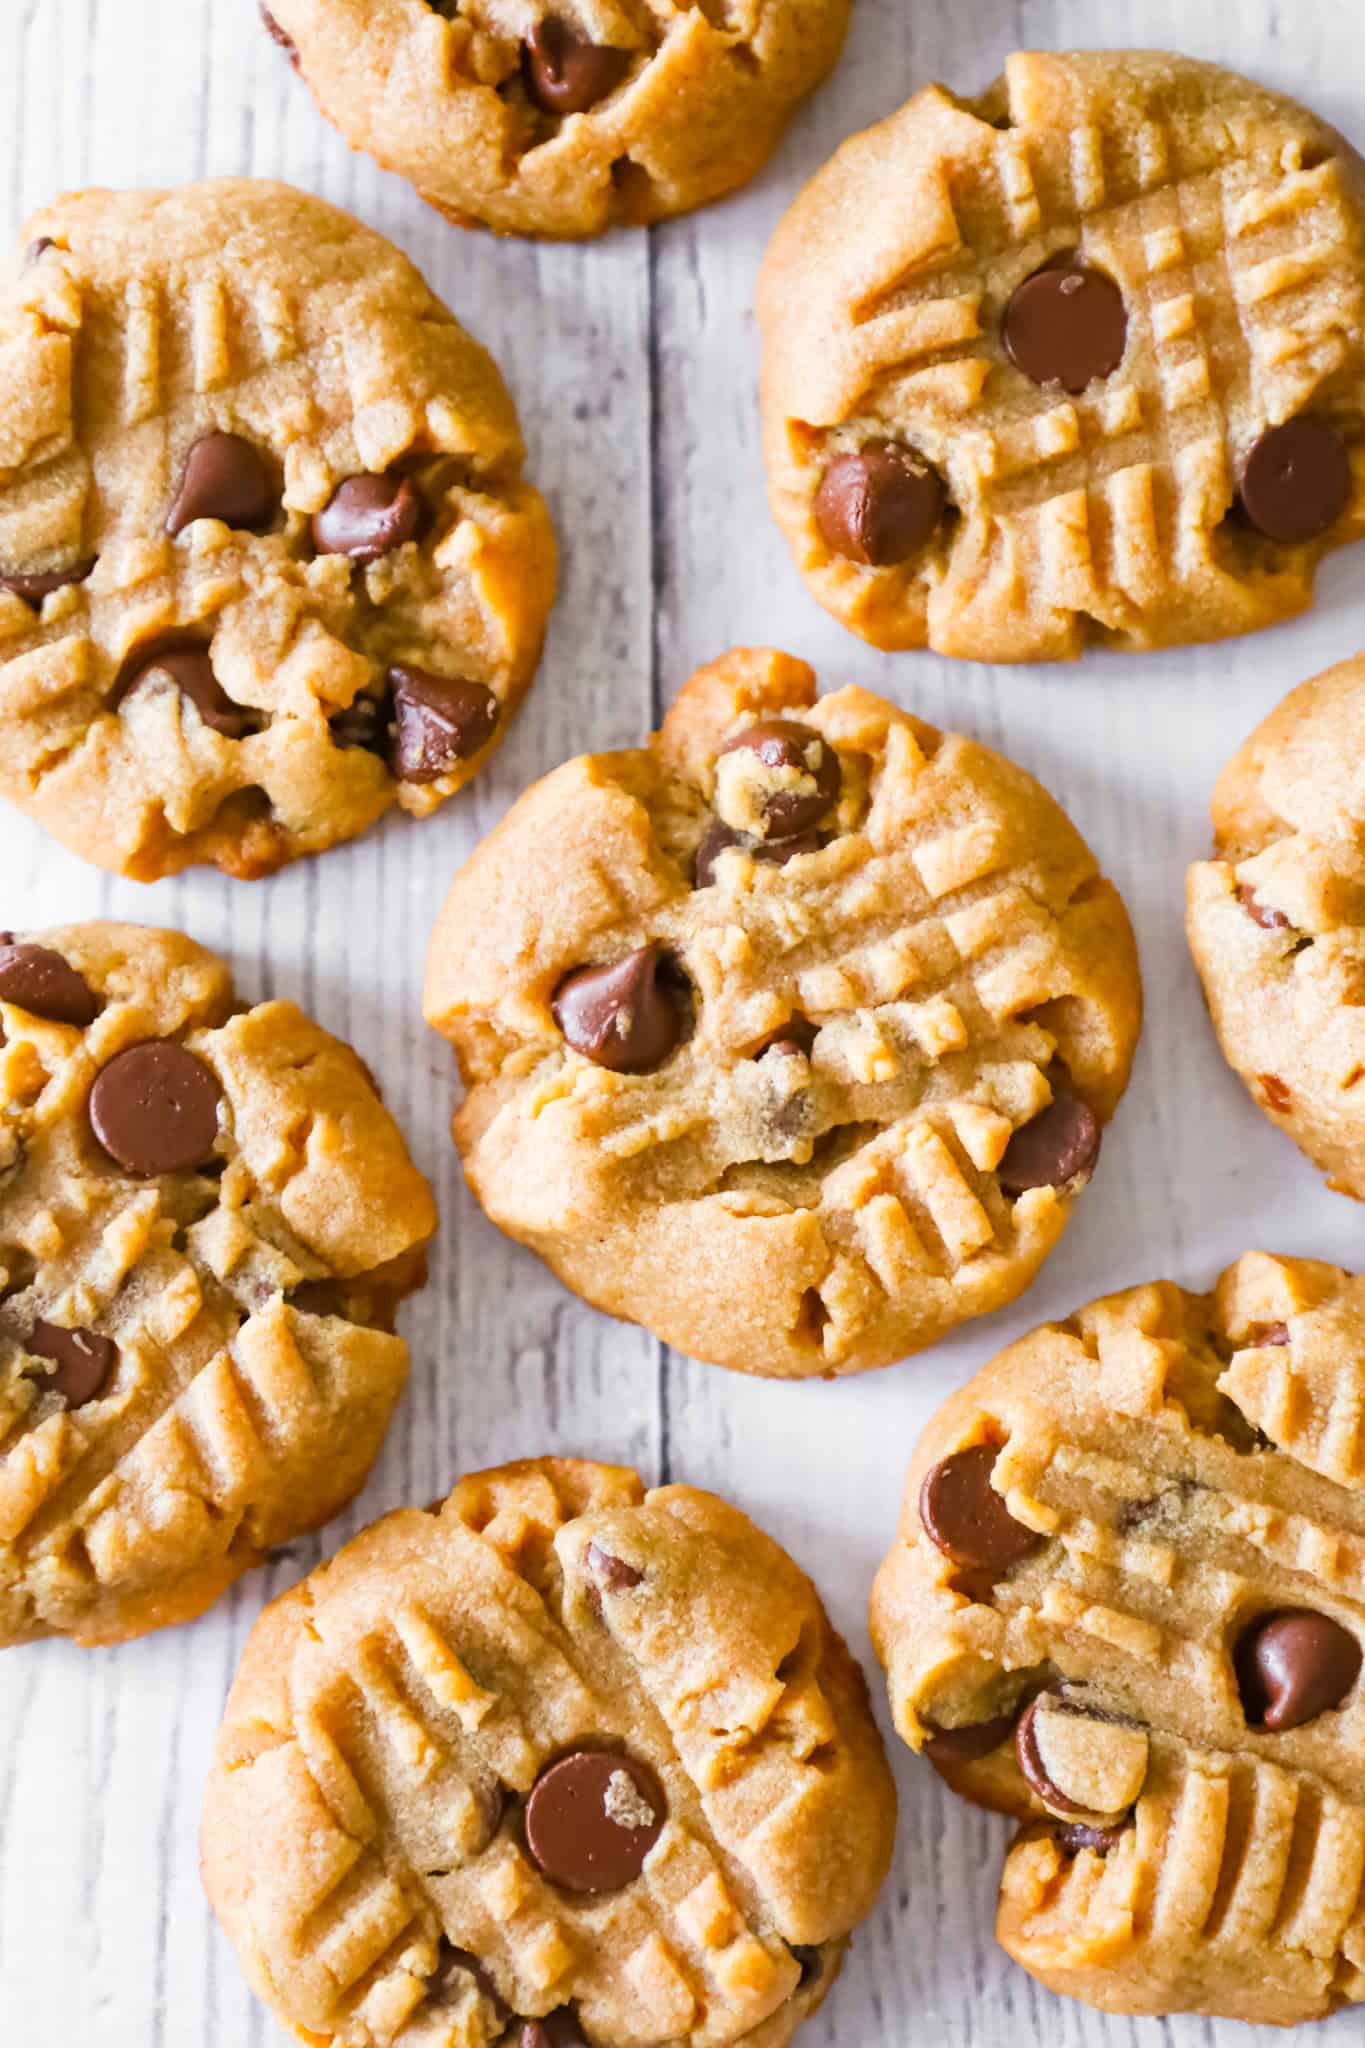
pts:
[786, 782]
[224, 478]
[154, 1109]
[966, 1518]
[619, 1016]
[592, 1819]
[34, 585]
[453, 1965]
[566, 74]
[36, 979]
[774, 853]
[1066, 325]
[84, 1361]
[1297, 481]
[1057, 1148]
[878, 504]
[368, 516]
[439, 722]
[969, 1745]
[1293, 1666]
[190, 669]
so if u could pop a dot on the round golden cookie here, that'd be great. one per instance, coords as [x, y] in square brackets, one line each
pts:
[566, 119]
[558, 1763]
[207, 1221]
[789, 1035]
[267, 563]
[1276, 920]
[1127, 1605]
[1080, 361]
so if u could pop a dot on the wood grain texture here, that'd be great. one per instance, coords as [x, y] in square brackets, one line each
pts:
[633, 364]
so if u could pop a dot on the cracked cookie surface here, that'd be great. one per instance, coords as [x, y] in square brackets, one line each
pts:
[552, 1643]
[1080, 361]
[563, 120]
[791, 1034]
[268, 566]
[1126, 1605]
[207, 1221]
[1276, 920]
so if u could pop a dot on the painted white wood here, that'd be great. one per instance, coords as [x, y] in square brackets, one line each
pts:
[633, 363]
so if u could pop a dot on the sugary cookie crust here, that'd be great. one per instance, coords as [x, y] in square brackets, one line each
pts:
[232, 1420]
[1276, 920]
[437, 93]
[364, 1828]
[142, 323]
[1233, 223]
[1189, 1464]
[949, 943]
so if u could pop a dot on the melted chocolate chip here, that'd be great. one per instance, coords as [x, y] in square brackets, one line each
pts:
[1261, 913]
[440, 721]
[34, 585]
[84, 1361]
[592, 1819]
[36, 979]
[619, 1016]
[1297, 481]
[224, 478]
[1058, 1148]
[368, 516]
[774, 853]
[612, 1572]
[154, 1109]
[969, 1745]
[566, 74]
[1293, 1666]
[966, 1518]
[878, 504]
[786, 746]
[190, 670]
[1067, 325]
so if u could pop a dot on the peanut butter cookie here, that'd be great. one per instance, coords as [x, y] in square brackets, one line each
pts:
[1127, 1606]
[562, 120]
[791, 1034]
[207, 1221]
[1081, 360]
[1277, 920]
[558, 1762]
[267, 562]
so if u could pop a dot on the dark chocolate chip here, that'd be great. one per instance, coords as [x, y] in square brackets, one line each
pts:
[966, 1518]
[368, 516]
[453, 1965]
[1074, 1835]
[364, 724]
[592, 1819]
[1297, 481]
[277, 34]
[773, 853]
[190, 671]
[1293, 1666]
[84, 1361]
[566, 74]
[1260, 913]
[1066, 325]
[317, 1298]
[613, 1572]
[154, 1108]
[620, 1016]
[1057, 1148]
[224, 478]
[34, 586]
[439, 722]
[878, 504]
[785, 744]
[36, 979]
[968, 1745]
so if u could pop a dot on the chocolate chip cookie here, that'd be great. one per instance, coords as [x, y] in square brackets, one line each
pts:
[267, 562]
[1080, 361]
[790, 1035]
[558, 1763]
[207, 1221]
[1126, 1605]
[562, 120]
[1276, 920]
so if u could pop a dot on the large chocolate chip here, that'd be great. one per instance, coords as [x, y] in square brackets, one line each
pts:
[278, 35]
[224, 478]
[968, 1745]
[557, 2030]
[83, 1360]
[1066, 325]
[1297, 480]
[1269, 919]
[1031, 1762]
[154, 1108]
[966, 1518]
[566, 74]
[368, 516]
[619, 1016]
[879, 504]
[800, 774]
[1057, 1148]
[774, 853]
[592, 1819]
[453, 1966]
[1293, 1666]
[612, 1572]
[190, 669]
[36, 979]
[34, 586]
[439, 722]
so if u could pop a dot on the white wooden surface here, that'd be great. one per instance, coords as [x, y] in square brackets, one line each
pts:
[633, 364]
